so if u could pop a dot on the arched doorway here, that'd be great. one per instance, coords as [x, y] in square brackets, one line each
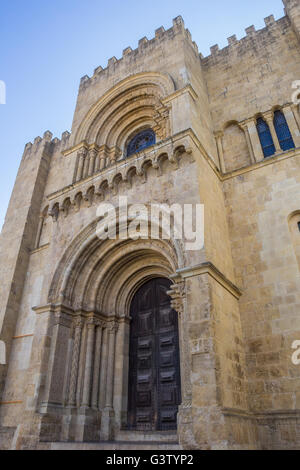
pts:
[154, 369]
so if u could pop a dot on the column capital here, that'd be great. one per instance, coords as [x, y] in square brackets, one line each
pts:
[177, 294]
[269, 116]
[82, 152]
[100, 323]
[244, 124]
[62, 318]
[90, 324]
[250, 121]
[93, 151]
[218, 134]
[287, 109]
[113, 327]
[78, 322]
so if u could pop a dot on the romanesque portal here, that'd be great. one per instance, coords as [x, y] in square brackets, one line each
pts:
[140, 340]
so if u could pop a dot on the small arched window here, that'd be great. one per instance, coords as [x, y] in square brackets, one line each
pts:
[140, 141]
[265, 137]
[282, 130]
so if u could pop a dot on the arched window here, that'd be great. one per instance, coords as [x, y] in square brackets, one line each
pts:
[265, 137]
[282, 130]
[140, 141]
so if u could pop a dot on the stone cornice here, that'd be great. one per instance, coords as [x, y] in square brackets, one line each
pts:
[75, 313]
[213, 272]
[41, 248]
[265, 415]
[81, 145]
[187, 89]
[267, 161]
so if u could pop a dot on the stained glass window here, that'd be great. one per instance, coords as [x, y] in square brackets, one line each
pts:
[141, 141]
[282, 131]
[265, 137]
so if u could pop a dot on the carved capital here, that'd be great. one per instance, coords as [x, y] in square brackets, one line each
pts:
[219, 134]
[93, 153]
[90, 324]
[177, 294]
[62, 318]
[78, 323]
[54, 212]
[269, 116]
[113, 327]
[244, 126]
[82, 152]
[100, 324]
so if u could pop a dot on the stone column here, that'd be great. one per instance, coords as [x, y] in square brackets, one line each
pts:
[112, 330]
[81, 161]
[219, 136]
[97, 362]
[270, 120]
[185, 413]
[108, 412]
[103, 369]
[97, 163]
[102, 157]
[39, 232]
[92, 160]
[295, 108]
[86, 166]
[254, 139]
[292, 123]
[86, 394]
[102, 162]
[75, 362]
[53, 399]
[76, 168]
[177, 294]
[120, 393]
[244, 127]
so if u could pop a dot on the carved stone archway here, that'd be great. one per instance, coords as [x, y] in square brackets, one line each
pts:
[89, 306]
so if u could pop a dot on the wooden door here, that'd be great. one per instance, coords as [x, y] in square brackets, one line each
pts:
[154, 368]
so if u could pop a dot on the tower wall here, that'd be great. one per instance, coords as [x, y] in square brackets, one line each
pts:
[237, 297]
[19, 232]
[292, 9]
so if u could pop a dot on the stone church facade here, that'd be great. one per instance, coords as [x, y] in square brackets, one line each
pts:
[143, 340]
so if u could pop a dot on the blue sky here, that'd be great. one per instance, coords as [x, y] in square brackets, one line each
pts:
[47, 46]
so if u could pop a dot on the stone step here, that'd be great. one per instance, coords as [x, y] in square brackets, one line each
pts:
[116, 445]
[147, 436]
[6, 437]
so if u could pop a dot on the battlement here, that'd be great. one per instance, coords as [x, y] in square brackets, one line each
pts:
[143, 44]
[47, 138]
[251, 35]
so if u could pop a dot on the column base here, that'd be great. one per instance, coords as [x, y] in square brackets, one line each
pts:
[88, 422]
[185, 427]
[107, 424]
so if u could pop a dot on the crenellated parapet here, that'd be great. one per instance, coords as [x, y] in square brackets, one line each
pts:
[251, 35]
[144, 45]
[292, 9]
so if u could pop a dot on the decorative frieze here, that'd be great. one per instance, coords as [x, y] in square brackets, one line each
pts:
[93, 189]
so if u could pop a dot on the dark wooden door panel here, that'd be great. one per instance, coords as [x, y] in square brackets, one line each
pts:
[154, 371]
